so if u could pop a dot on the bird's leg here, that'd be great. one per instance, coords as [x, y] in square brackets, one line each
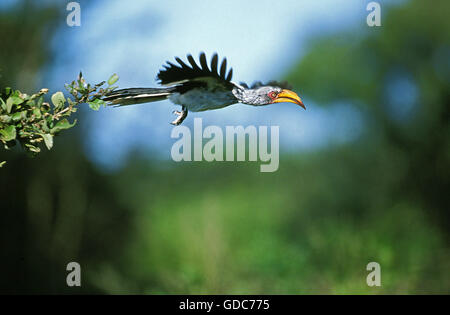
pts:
[181, 116]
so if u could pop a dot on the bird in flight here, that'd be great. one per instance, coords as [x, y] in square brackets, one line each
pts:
[199, 88]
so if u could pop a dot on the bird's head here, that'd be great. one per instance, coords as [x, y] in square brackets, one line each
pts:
[268, 94]
[276, 94]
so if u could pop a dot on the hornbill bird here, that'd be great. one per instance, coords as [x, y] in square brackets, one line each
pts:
[198, 88]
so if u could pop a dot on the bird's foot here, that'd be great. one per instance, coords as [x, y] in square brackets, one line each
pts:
[181, 116]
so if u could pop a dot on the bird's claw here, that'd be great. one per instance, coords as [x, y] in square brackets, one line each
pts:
[181, 116]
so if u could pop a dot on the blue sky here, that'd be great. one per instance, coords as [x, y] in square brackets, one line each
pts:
[261, 40]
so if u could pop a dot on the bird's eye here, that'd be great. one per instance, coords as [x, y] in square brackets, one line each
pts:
[272, 95]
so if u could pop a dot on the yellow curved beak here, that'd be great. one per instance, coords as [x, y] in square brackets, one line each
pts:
[290, 97]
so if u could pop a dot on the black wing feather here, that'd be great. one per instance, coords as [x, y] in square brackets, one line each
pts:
[283, 84]
[192, 62]
[182, 64]
[214, 62]
[203, 62]
[243, 84]
[230, 75]
[223, 68]
[172, 74]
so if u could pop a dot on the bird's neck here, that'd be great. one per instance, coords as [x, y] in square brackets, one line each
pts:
[246, 96]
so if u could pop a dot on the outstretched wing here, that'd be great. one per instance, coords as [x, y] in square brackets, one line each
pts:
[193, 74]
[283, 84]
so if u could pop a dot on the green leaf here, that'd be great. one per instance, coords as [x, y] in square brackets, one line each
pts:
[45, 127]
[62, 125]
[14, 99]
[2, 163]
[48, 139]
[32, 148]
[95, 104]
[5, 118]
[3, 104]
[9, 104]
[37, 112]
[19, 115]
[113, 79]
[58, 100]
[8, 133]
[40, 101]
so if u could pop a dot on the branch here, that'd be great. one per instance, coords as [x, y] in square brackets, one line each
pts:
[28, 120]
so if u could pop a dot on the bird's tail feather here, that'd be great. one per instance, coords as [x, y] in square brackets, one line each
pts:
[133, 96]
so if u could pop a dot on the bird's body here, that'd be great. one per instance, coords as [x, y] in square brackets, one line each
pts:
[197, 100]
[199, 88]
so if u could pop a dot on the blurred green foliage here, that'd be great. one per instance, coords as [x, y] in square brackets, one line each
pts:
[311, 227]
[362, 70]
[24, 42]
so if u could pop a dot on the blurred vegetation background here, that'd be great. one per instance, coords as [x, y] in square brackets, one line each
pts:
[222, 228]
